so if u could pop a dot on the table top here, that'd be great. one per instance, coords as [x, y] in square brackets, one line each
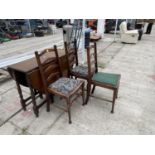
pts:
[95, 37]
[31, 64]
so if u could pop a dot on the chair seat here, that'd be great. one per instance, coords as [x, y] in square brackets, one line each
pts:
[106, 78]
[65, 85]
[82, 70]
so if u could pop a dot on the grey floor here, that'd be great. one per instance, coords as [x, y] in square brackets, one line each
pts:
[134, 109]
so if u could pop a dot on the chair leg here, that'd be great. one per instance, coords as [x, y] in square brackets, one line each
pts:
[93, 89]
[41, 95]
[69, 110]
[48, 102]
[83, 97]
[37, 92]
[114, 98]
[117, 93]
[36, 111]
[51, 97]
[88, 92]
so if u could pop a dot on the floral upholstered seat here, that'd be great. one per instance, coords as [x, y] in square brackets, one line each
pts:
[83, 70]
[65, 85]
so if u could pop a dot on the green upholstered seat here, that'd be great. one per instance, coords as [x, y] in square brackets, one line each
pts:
[106, 78]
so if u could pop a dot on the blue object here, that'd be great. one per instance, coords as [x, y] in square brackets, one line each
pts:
[87, 36]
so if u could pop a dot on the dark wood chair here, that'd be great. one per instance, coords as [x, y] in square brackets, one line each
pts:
[74, 69]
[101, 79]
[53, 81]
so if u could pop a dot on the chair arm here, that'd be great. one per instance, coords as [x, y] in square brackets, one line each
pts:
[132, 32]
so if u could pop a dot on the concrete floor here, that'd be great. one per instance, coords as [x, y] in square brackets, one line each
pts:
[134, 109]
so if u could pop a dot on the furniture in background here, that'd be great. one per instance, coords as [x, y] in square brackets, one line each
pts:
[53, 81]
[139, 25]
[94, 37]
[128, 36]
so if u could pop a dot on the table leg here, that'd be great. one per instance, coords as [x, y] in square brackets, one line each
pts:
[20, 93]
[33, 93]
[35, 108]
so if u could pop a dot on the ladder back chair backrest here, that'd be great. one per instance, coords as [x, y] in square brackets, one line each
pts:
[92, 59]
[49, 66]
[71, 54]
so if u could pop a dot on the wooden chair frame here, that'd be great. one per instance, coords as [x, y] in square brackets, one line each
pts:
[95, 83]
[77, 75]
[48, 90]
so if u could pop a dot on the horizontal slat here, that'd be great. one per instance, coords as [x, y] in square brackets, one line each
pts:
[52, 77]
[51, 69]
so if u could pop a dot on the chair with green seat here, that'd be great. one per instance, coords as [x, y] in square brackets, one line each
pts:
[101, 79]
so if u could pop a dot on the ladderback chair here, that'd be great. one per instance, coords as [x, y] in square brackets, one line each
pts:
[49, 67]
[101, 79]
[75, 69]
[53, 81]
